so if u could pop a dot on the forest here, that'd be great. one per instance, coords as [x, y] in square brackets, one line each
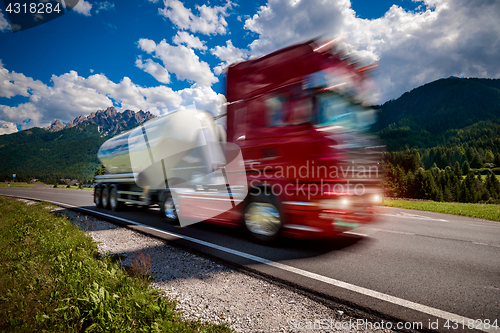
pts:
[444, 143]
[49, 156]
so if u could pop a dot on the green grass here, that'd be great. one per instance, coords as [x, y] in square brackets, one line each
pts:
[16, 185]
[52, 279]
[482, 211]
[74, 187]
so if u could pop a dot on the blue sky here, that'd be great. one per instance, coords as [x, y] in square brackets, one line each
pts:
[162, 55]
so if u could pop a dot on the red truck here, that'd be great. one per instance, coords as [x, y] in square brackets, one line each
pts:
[312, 170]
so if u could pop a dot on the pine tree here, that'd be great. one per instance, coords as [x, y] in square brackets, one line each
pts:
[492, 184]
[496, 161]
[465, 168]
[468, 189]
[488, 156]
[457, 170]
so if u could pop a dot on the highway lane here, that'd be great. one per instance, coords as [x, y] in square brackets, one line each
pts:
[443, 262]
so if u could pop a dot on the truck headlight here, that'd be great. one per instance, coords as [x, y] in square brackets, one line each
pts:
[338, 204]
[376, 198]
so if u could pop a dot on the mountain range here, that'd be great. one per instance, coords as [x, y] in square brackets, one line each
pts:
[109, 120]
[64, 151]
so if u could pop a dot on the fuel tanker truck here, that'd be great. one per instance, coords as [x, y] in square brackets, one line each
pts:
[293, 159]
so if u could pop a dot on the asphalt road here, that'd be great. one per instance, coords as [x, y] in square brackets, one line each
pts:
[411, 266]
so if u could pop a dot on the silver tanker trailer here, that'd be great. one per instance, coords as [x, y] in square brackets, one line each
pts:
[164, 159]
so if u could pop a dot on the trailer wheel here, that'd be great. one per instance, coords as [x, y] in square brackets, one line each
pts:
[105, 196]
[114, 204]
[167, 208]
[97, 196]
[263, 219]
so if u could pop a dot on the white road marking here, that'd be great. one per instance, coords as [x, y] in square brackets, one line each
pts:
[413, 216]
[355, 233]
[361, 290]
[484, 225]
[396, 232]
[480, 223]
[484, 244]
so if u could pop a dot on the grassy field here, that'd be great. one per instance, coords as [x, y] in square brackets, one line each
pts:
[483, 211]
[52, 279]
[16, 185]
[73, 187]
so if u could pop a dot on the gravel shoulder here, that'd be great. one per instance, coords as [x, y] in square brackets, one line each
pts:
[211, 291]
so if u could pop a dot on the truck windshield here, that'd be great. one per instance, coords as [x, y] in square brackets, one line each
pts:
[319, 108]
[334, 110]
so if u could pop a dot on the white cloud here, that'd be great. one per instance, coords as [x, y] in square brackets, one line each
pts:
[4, 24]
[451, 37]
[147, 45]
[15, 84]
[158, 71]
[454, 38]
[209, 21]
[83, 7]
[280, 23]
[70, 95]
[191, 41]
[204, 98]
[228, 54]
[105, 5]
[180, 60]
[7, 127]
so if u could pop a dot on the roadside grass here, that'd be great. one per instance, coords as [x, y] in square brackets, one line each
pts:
[16, 185]
[482, 211]
[75, 187]
[53, 279]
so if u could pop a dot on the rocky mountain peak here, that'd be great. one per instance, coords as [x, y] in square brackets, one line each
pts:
[55, 126]
[109, 120]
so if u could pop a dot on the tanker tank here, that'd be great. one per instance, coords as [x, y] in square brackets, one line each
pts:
[184, 142]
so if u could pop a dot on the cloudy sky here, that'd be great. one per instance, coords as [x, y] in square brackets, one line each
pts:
[160, 55]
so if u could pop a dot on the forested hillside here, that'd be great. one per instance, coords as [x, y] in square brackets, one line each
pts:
[63, 151]
[37, 153]
[443, 141]
[436, 107]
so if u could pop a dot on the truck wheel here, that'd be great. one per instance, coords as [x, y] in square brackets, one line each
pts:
[263, 218]
[167, 208]
[97, 196]
[114, 204]
[105, 196]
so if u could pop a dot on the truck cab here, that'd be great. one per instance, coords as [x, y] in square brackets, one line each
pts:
[298, 116]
